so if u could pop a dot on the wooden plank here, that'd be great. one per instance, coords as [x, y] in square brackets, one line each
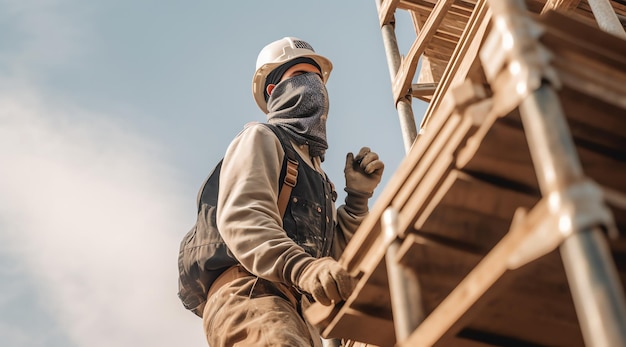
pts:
[386, 11]
[535, 307]
[461, 341]
[402, 80]
[605, 92]
[464, 54]
[500, 151]
[467, 94]
[605, 132]
[372, 330]
[602, 169]
[444, 46]
[473, 287]
[373, 293]
[370, 299]
[428, 159]
[428, 74]
[439, 265]
[528, 307]
[433, 176]
[471, 211]
[503, 152]
[563, 5]
[482, 196]
[602, 55]
[535, 302]
[461, 6]
[445, 143]
[473, 229]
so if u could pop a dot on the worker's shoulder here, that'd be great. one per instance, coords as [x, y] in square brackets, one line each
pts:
[254, 129]
[257, 134]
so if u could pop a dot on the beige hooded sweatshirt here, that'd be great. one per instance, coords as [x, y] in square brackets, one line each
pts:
[248, 217]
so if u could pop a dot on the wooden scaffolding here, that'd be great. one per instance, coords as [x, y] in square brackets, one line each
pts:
[501, 227]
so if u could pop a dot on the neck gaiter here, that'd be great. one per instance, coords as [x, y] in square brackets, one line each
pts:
[300, 106]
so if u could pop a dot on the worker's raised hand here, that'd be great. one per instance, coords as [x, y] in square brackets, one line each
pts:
[326, 281]
[363, 172]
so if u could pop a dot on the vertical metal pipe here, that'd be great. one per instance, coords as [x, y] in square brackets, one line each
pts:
[596, 290]
[407, 123]
[606, 17]
[331, 342]
[394, 61]
[403, 283]
[550, 142]
[404, 286]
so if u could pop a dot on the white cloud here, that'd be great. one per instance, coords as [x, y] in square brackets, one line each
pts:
[95, 216]
[89, 210]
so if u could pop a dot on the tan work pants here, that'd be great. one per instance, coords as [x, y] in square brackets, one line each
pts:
[250, 311]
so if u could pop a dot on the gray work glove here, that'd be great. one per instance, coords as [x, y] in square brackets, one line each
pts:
[326, 281]
[363, 174]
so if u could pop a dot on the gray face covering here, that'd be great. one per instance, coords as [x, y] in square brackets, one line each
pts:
[300, 106]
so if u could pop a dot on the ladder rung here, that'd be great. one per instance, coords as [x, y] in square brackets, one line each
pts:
[419, 90]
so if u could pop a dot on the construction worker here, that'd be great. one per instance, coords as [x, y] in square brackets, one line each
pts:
[284, 263]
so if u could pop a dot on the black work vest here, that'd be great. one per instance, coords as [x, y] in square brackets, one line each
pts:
[308, 219]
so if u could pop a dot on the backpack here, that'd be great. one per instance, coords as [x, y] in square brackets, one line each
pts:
[203, 255]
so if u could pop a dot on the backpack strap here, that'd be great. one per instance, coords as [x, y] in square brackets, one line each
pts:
[291, 173]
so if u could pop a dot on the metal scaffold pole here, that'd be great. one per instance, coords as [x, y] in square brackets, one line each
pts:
[583, 218]
[593, 279]
[404, 287]
[394, 60]
[606, 17]
[403, 282]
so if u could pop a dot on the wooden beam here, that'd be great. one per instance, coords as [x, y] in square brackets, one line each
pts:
[464, 296]
[404, 77]
[462, 58]
[369, 329]
[386, 11]
[564, 5]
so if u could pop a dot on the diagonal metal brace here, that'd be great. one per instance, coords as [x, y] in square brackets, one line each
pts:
[558, 216]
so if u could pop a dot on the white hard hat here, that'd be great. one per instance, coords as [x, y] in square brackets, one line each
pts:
[276, 54]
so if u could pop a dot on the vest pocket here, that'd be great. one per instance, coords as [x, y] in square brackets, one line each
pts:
[308, 218]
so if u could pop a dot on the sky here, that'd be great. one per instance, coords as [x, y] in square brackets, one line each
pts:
[111, 115]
